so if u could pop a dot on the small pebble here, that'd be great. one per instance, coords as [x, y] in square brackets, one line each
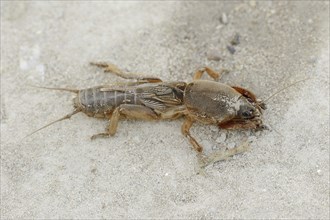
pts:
[219, 27]
[238, 66]
[214, 55]
[231, 49]
[224, 19]
[235, 40]
[93, 170]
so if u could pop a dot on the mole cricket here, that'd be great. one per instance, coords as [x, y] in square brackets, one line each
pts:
[150, 98]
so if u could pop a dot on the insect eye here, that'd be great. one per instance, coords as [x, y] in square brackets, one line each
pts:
[247, 114]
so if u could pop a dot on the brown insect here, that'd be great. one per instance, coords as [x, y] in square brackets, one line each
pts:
[149, 98]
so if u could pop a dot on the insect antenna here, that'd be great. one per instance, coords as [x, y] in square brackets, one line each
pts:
[59, 89]
[68, 116]
[281, 90]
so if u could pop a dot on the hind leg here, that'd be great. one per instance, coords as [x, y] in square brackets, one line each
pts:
[199, 73]
[128, 111]
[108, 67]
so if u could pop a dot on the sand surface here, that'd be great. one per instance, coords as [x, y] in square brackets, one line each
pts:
[148, 169]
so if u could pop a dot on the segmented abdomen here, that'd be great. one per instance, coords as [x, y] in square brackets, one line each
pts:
[102, 100]
[94, 100]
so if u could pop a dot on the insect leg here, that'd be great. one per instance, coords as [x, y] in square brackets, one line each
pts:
[185, 130]
[210, 72]
[254, 124]
[220, 155]
[108, 67]
[128, 111]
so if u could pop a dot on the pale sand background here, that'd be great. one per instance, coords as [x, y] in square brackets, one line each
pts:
[148, 169]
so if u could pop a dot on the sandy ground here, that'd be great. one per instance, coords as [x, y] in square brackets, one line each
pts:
[148, 169]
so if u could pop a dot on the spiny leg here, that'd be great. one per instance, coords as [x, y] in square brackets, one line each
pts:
[129, 111]
[215, 75]
[220, 155]
[216, 156]
[187, 124]
[112, 127]
[186, 132]
[108, 67]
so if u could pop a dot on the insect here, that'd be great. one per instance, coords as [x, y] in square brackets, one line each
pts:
[149, 98]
